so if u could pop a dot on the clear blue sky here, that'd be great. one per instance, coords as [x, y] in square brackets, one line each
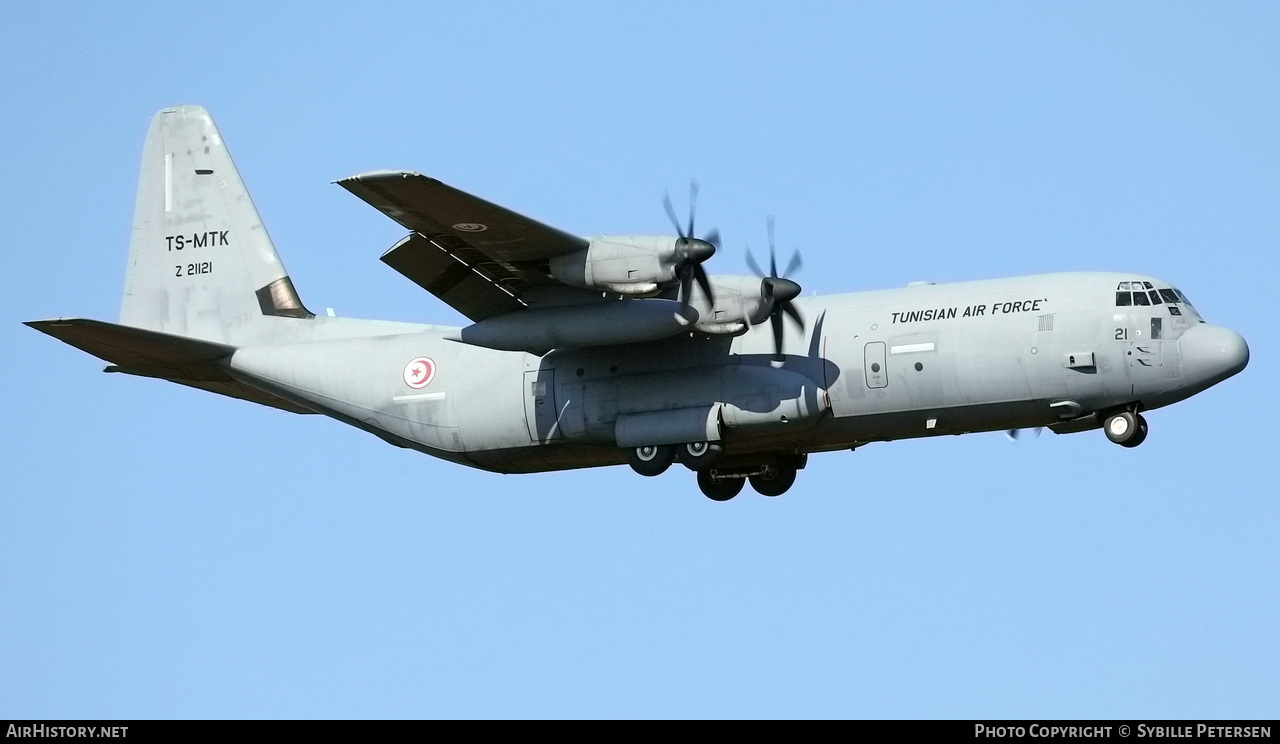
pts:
[167, 553]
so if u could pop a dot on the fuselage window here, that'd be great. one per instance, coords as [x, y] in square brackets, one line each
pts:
[1140, 298]
[1169, 295]
[1122, 299]
[1124, 287]
[1155, 297]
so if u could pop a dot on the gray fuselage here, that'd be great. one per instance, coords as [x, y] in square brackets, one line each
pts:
[929, 359]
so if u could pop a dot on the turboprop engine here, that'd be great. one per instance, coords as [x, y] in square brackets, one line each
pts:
[740, 302]
[633, 265]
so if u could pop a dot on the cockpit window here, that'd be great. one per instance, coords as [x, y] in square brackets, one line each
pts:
[1145, 294]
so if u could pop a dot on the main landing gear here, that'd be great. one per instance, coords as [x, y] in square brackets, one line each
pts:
[654, 459]
[650, 460]
[1126, 428]
[772, 477]
[768, 479]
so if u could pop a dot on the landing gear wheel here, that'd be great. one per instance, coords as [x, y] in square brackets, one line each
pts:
[1140, 435]
[719, 489]
[1126, 429]
[652, 459]
[700, 456]
[775, 480]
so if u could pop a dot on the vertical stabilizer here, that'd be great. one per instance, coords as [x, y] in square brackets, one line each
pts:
[200, 263]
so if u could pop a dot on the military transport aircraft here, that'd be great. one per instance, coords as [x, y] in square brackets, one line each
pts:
[593, 351]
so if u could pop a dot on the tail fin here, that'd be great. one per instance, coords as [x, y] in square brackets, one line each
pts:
[201, 263]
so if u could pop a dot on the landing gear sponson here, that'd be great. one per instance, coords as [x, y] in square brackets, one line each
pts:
[770, 477]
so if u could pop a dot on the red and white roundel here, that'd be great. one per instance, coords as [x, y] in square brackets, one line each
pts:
[418, 372]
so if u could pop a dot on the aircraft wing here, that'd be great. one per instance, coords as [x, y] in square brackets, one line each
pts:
[480, 258]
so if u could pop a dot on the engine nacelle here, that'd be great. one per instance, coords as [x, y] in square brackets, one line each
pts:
[635, 265]
[739, 304]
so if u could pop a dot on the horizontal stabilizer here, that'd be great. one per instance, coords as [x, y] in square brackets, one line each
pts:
[137, 351]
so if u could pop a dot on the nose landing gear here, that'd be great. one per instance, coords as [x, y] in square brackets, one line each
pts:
[1126, 428]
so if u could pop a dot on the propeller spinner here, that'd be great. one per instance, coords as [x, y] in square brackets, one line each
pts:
[778, 292]
[691, 251]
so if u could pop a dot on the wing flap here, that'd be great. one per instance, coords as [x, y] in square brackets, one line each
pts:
[455, 277]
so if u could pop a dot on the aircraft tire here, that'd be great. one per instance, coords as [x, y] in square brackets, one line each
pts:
[1139, 434]
[719, 489]
[1123, 428]
[700, 456]
[775, 481]
[651, 460]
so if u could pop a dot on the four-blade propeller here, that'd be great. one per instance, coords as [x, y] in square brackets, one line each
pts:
[778, 292]
[691, 251]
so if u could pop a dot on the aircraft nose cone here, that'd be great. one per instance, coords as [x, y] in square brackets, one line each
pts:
[1211, 354]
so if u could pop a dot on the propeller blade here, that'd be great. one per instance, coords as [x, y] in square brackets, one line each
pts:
[693, 202]
[692, 251]
[671, 214]
[795, 264]
[776, 320]
[793, 313]
[776, 291]
[1015, 434]
[704, 282]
